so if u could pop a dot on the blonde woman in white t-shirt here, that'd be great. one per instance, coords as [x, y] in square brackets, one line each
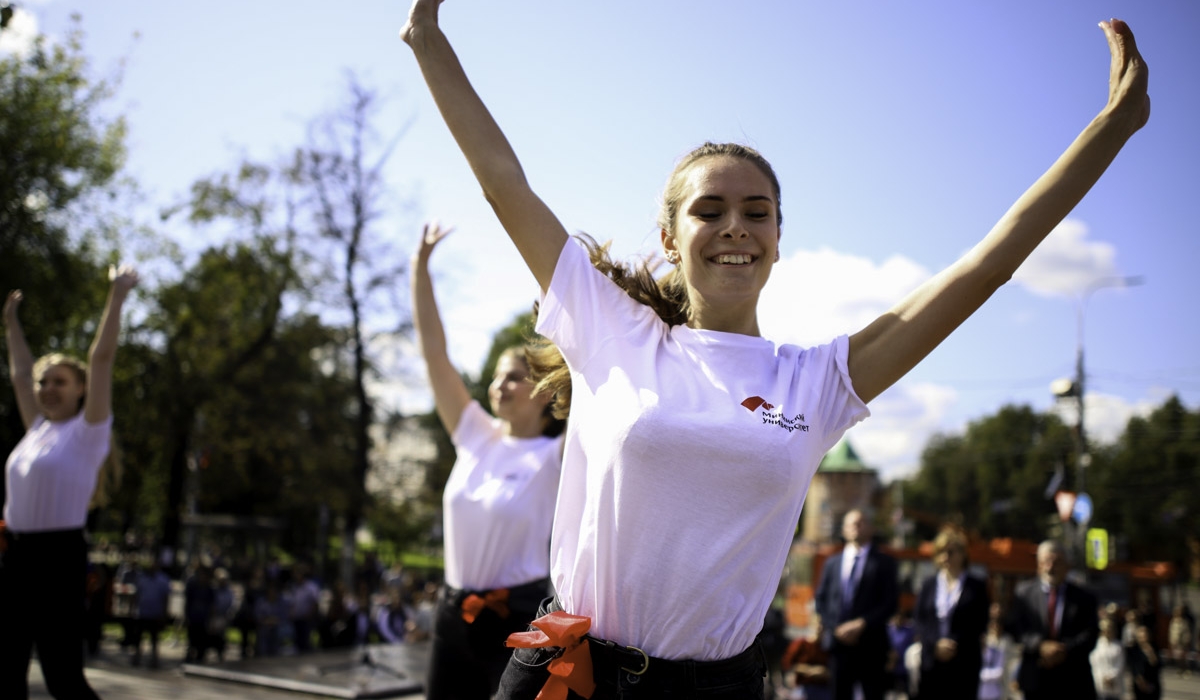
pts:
[692, 439]
[498, 504]
[50, 477]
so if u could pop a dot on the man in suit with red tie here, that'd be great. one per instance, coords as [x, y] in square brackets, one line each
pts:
[855, 599]
[1057, 624]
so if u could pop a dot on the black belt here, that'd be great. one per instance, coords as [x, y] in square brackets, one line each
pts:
[525, 596]
[609, 657]
[43, 537]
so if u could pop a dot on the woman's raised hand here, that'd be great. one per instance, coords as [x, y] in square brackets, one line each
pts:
[422, 13]
[431, 235]
[123, 278]
[11, 304]
[1128, 77]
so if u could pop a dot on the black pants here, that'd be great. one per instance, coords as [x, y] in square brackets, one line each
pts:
[615, 673]
[42, 592]
[467, 660]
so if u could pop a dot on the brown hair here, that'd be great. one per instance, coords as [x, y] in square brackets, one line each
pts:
[673, 193]
[950, 536]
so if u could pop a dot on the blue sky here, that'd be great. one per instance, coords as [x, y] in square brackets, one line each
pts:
[900, 132]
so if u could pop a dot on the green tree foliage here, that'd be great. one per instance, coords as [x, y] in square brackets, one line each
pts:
[992, 479]
[1146, 487]
[60, 159]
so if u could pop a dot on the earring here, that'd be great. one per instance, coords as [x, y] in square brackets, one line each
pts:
[776, 255]
[672, 257]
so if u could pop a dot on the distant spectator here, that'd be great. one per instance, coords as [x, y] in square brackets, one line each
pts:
[1145, 666]
[222, 613]
[270, 612]
[244, 620]
[153, 596]
[305, 611]
[1108, 663]
[901, 635]
[998, 652]
[197, 608]
[806, 667]
[391, 621]
[1179, 637]
[951, 619]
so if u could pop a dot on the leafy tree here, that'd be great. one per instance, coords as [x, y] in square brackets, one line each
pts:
[1145, 487]
[60, 160]
[992, 479]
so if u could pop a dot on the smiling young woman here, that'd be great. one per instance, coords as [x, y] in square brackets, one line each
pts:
[692, 440]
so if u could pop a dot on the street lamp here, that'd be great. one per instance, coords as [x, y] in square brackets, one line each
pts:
[1066, 388]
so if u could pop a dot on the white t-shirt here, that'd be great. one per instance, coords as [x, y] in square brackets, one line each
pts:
[51, 473]
[498, 504]
[687, 459]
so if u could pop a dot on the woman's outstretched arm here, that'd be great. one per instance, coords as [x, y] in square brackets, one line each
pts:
[97, 404]
[534, 229]
[450, 395]
[893, 344]
[20, 360]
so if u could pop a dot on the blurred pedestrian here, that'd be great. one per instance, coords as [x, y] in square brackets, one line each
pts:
[305, 612]
[153, 598]
[951, 619]
[198, 599]
[50, 478]
[806, 666]
[1055, 622]
[1145, 666]
[998, 653]
[901, 635]
[1108, 663]
[222, 612]
[855, 599]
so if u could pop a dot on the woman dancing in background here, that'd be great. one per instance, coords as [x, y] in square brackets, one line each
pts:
[50, 476]
[497, 507]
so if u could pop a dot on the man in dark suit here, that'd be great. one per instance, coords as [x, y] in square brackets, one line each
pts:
[855, 599]
[1057, 624]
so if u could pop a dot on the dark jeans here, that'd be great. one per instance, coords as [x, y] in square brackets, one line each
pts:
[467, 660]
[42, 591]
[738, 678]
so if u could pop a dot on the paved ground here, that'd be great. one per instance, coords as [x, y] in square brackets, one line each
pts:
[114, 678]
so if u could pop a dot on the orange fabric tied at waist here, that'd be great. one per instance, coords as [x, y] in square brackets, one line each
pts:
[573, 669]
[496, 600]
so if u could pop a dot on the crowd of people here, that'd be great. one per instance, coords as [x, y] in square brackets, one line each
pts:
[1049, 639]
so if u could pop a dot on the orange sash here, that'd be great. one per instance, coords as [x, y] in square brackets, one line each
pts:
[573, 669]
[497, 600]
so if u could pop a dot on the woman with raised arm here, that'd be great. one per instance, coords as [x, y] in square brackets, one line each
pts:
[50, 475]
[692, 439]
[497, 507]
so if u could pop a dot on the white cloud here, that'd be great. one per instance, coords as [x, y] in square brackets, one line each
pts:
[902, 420]
[1107, 415]
[1067, 263]
[814, 296]
[18, 37]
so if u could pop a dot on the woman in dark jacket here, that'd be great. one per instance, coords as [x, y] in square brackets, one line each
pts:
[951, 618]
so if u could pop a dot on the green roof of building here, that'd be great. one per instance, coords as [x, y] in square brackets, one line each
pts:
[842, 458]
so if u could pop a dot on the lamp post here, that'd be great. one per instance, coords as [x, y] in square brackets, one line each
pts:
[1065, 388]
